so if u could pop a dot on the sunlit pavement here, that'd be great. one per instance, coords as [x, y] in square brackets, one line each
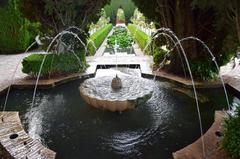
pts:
[8, 65]
[231, 74]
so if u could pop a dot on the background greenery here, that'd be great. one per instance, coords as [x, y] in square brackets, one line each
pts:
[16, 32]
[121, 37]
[141, 38]
[231, 135]
[215, 22]
[57, 15]
[127, 5]
[98, 38]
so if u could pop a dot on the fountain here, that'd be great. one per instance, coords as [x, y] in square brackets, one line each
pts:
[117, 94]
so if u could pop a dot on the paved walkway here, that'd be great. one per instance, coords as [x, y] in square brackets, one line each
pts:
[231, 74]
[8, 65]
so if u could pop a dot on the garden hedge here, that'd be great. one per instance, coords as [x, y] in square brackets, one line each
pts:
[140, 37]
[98, 37]
[54, 64]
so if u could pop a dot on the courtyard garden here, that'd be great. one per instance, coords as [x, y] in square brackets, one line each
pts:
[119, 79]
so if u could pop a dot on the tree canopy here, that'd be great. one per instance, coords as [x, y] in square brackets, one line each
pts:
[212, 21]
[59, 14]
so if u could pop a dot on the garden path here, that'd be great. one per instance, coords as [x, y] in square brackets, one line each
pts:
[232, 75]
[8, 64]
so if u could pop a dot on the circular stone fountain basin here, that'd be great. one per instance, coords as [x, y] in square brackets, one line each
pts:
[98, 92]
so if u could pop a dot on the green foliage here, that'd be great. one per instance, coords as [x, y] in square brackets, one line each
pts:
[158, 55]
[127, 5]
[16, 32]
[98, 38]
[139, 19]
[103, 20]
[141, 38]
[121, 37]
[203, 69]
[57, 15]
[228, 49]
[54, 64]
[231, 135]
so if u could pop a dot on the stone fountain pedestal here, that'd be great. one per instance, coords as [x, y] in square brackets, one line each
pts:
[116, 94]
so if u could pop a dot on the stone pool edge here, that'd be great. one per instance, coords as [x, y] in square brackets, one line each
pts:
[50, 83]
[212, 146]
[16, 143]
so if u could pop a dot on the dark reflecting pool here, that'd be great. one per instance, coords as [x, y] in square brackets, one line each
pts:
[64, 123]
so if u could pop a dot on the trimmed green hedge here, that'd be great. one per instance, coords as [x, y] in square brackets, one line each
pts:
[98, 37]
[231, 135]
[54, 64]
[140, 37]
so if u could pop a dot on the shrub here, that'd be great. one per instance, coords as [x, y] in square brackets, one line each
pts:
[203, 69]
[54, 64]
[16, 32]
[158, 55]
[98, 38]
[141, 38]
[231, 135]
[121, 36]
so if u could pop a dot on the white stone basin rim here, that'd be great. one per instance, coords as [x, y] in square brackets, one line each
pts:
[98, 93]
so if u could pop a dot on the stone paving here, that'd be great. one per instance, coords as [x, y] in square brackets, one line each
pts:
[8, 65]
[231, 74]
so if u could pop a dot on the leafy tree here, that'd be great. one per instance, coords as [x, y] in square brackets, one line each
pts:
[103, 20]
[57, 15]
[205, 19]
[139, 19]
[228, 12]
[16, 32]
